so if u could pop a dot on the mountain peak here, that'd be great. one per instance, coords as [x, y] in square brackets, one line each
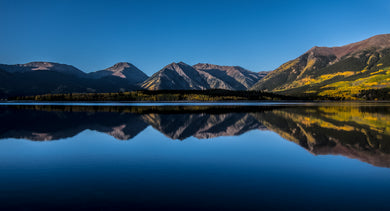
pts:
[47, 66]
[205, 66]
[123, 70]
[40, 65]
[215, 66]
[121, 66]
[378, 42]
[177, 63]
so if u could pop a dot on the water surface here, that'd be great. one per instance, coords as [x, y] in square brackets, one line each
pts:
[195, 157]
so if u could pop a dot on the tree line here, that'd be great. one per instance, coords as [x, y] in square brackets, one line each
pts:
[161, 95]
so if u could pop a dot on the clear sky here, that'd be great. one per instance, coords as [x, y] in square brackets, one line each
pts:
[257, 35]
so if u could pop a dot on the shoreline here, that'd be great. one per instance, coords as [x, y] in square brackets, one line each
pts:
[187, 103]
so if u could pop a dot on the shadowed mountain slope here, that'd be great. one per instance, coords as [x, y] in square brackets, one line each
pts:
[48, 66]
[37, 78]
[49, 82]
[228, 77]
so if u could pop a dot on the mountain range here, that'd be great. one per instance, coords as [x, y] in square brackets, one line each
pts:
[36, 78]
[359, 70]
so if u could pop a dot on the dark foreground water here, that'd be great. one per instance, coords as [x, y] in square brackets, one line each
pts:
[266, 156]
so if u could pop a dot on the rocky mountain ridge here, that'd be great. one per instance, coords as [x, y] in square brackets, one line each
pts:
[339, 72]
[359, 70]
[36, 78]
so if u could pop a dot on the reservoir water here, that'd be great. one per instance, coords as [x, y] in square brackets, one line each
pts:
[270, 156]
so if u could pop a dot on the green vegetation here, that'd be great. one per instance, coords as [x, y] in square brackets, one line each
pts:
[161, 95]
[345, 91]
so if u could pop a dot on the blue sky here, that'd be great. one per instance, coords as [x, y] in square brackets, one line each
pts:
[257, 35]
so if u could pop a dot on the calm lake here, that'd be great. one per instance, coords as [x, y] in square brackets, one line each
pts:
[269, 156]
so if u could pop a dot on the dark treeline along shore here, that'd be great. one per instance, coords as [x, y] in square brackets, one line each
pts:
[357, 71]
[162, 95]
[194, 96]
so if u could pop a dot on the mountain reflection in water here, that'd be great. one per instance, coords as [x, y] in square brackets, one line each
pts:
[352, 130]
